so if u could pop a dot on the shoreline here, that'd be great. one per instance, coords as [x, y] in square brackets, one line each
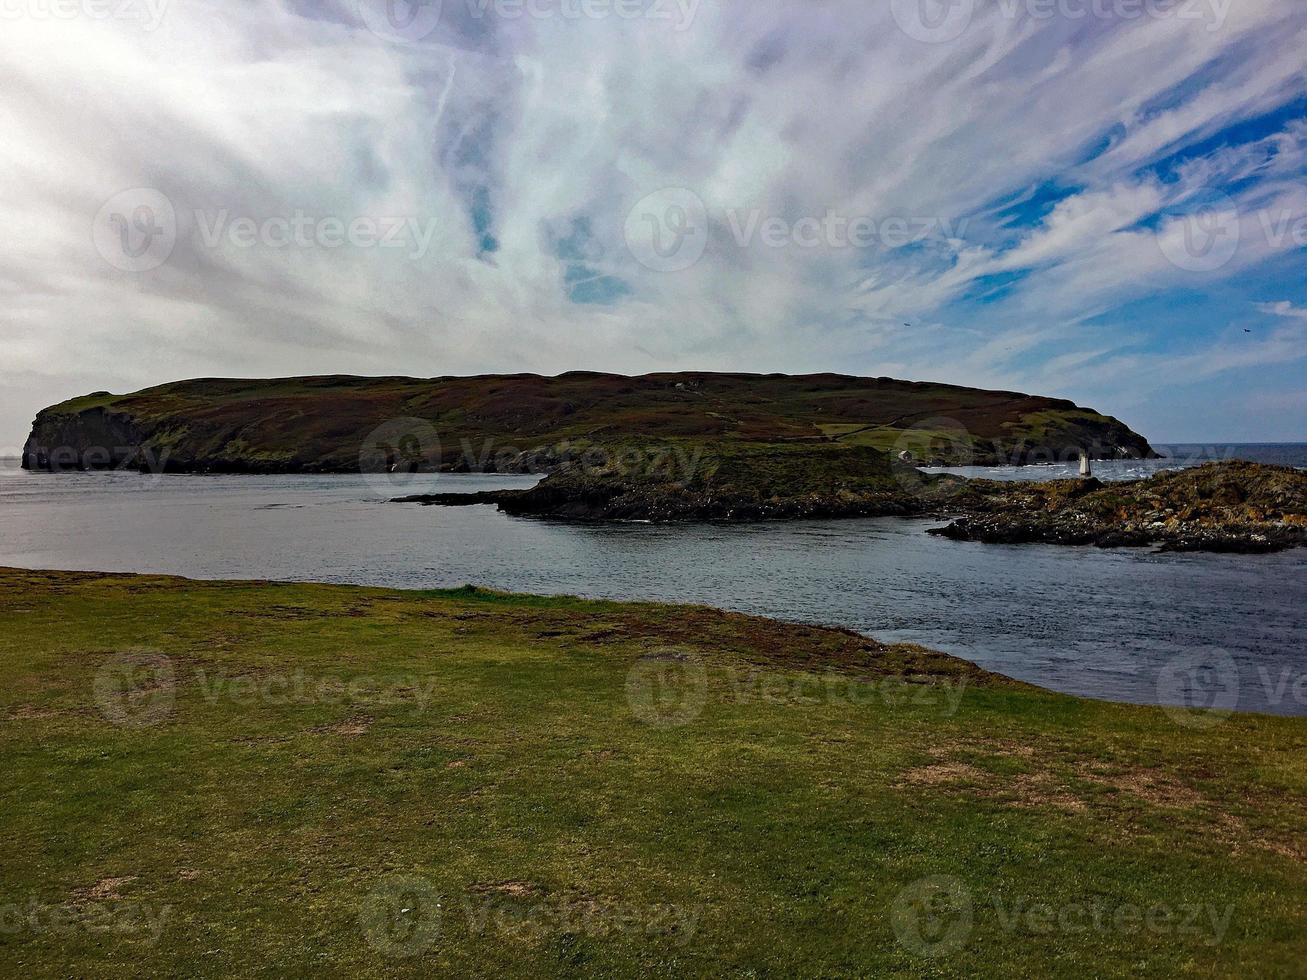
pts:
[944, 663]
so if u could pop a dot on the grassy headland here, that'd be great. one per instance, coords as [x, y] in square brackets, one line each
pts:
[524, 422]
[216, 779]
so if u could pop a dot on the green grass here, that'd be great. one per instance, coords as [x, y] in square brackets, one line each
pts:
[326, 757]
[924, 442]
[84, 403]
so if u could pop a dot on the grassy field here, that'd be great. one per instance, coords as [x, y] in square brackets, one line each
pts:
[213, 779]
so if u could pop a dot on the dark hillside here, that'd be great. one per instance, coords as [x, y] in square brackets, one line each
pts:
[519, 422]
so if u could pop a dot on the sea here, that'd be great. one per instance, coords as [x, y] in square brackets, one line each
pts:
[1225, 631]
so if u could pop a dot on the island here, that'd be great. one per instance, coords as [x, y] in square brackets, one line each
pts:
[526, 423]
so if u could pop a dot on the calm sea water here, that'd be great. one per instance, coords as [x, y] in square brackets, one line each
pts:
[1176, 455]
[1122, 624]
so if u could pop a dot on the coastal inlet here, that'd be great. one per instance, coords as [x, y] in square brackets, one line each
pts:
[1100, 622]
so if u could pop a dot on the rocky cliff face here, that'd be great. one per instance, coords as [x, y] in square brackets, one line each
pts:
[95, 438]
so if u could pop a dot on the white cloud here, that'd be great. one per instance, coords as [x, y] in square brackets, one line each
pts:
[535, 129]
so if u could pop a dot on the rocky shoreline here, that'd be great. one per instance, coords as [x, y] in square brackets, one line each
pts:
[1233, 506]
[672, 506]
[735, 484]
[1237, 539]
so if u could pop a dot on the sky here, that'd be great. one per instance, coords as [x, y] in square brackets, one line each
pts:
[1102, 200]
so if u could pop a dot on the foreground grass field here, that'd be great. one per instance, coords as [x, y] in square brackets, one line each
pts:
[275, 779]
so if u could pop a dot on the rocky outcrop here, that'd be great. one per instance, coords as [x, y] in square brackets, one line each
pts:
[600, 501]
[95, 438]
[738, 483]
[1233, 507]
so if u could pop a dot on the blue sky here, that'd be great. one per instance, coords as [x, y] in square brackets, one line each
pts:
[1104, 200]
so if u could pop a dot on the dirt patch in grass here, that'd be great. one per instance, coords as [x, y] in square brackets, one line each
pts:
[1009, 747]
[1043, 786]
[943, 773]
[29, 712]
[1151, 787]
[1042, 789]
[351, 727]
[1290, 851]
[954, 772]
[1003, 747]
[1164, 792]
[104, 890]
[513, 889]
[1032, 789]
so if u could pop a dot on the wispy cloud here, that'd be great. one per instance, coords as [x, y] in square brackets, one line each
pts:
[1061, 163]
